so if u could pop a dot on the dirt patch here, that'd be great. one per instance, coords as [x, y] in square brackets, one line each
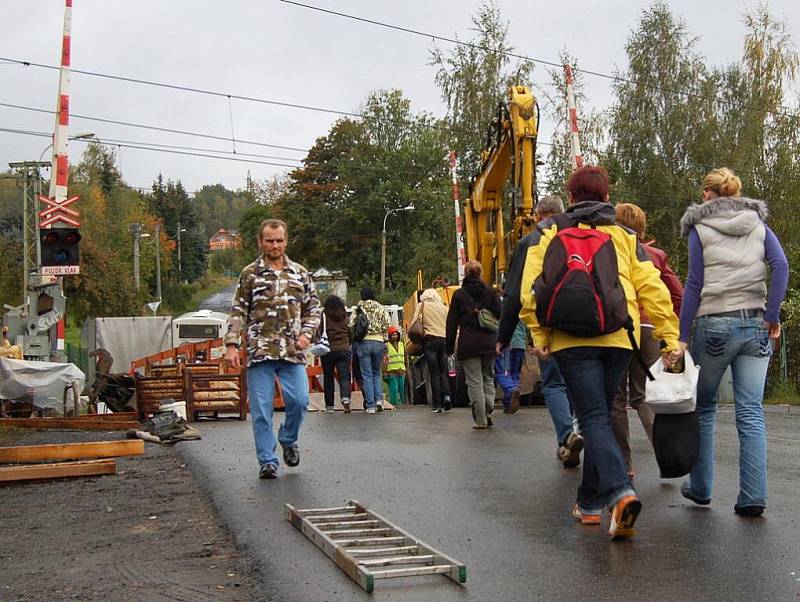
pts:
[146, 533]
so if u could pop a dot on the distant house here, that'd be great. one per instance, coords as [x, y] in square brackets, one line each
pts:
[330, 283]
[224, 239]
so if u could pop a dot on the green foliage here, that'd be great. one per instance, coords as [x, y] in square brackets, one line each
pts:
[248, 231]
[98, 166]
[225, 261]
[473, 80]
[217, 207]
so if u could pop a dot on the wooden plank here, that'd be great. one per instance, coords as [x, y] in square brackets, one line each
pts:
[310, 512]
[352, 532]
[318, 520]
[380, 552]
[78, 424]
[369, 541]
[71, 451]
[347, 523]
[116, 416]
[57, 470]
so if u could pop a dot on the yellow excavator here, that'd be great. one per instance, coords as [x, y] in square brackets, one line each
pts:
[509, 157]
[510, 151]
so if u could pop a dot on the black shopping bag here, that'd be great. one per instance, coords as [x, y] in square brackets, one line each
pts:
[676, 439]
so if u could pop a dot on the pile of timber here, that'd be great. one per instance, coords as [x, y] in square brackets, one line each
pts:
[55, 461]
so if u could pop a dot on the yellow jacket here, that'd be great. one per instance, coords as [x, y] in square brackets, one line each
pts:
[640, 280]
[396, 357]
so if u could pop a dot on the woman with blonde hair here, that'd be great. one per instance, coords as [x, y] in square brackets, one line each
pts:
[732, 319]
[434, 320]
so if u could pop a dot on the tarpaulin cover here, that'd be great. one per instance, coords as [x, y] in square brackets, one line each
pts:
[128, 338]
[40, 382]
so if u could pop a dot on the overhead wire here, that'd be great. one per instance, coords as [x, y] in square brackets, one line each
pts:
[456, 41]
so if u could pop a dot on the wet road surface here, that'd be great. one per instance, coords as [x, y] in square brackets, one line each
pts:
[499, 502]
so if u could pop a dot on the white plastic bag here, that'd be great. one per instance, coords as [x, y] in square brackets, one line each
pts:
[322, 346]
[673, 393]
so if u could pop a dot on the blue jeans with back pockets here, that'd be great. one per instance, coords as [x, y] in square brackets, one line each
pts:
[370, 358]
[743, 344]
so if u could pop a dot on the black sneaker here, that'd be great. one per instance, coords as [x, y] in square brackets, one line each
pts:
[268, 471]
[751, 511]
[291, 455]
[435, 410]
[569, 452]
[447, 405]
[687, 493]
[379, 406]
[489, 421]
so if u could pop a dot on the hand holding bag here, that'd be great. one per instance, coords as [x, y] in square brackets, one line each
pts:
[672, 393]
[322, 346]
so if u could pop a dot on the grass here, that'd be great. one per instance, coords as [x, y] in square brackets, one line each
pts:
[783, 393]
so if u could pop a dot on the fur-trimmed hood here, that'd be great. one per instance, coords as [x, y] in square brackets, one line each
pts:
[733, 216]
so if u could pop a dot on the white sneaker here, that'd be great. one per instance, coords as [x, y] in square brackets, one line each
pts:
[371, 410]
[379, 406]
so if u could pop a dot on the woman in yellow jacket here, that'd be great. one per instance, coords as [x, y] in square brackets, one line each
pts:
[593, 367]
[396, 367]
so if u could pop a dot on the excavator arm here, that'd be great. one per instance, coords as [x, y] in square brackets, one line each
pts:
[510, 150]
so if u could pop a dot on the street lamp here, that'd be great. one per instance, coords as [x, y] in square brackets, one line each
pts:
[78, 136]
[136, 230]
[383, 243]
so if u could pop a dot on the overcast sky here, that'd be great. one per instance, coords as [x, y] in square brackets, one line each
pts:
[271, 50]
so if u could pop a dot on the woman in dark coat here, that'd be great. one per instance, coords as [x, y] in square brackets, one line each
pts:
[339, 356]
[476, 345]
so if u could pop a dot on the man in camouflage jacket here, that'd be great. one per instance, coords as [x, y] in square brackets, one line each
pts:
[275, 313]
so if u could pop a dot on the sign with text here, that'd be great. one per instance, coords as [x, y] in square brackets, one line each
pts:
[61, 270]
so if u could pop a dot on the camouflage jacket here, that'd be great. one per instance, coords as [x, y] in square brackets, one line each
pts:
[271, 309]
[378, 320]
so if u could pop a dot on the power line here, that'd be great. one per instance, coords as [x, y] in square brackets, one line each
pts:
[154, 128]
[523, 57]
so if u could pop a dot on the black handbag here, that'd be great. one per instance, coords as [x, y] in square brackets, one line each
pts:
[676, 440]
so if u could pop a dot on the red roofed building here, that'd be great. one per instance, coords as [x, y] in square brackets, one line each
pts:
[224, 239]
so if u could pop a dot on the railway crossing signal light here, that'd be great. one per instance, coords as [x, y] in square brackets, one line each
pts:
[60, 251]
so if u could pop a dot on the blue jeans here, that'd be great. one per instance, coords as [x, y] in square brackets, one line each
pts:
[555, 398]
[261, 392]
[742, 344]
[370, 359]
[592, 375]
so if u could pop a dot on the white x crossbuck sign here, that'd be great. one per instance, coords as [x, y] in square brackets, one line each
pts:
[58, 212]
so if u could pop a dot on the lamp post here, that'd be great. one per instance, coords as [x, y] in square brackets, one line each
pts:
[180, 265]
[79, 136]
[136, 230]
[158, 262]
[383, 243]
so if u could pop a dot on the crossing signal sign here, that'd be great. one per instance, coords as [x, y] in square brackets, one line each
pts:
[60, 251]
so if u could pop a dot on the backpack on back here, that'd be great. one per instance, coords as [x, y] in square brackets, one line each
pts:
[578, 291]
[361, 324]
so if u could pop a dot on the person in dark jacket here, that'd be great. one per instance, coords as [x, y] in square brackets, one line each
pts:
[569, 443]
[476, 345]
[338, 358]
[631, 389]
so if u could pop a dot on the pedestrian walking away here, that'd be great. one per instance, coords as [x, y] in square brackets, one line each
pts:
[396, 367]
[336, 363]
[434, 324]
[581, 290]
[631, 391]
[476, 344]
[371, 348]
[731, 319]
[275, 313]
[569, 442]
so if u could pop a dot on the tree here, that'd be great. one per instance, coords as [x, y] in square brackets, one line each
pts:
[474, 79]
[98, 166]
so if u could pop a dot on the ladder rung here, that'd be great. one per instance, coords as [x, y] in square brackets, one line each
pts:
[369, 541]
[348, 523]
[410, 572]
[325, 510]
[325, 518]
[416, 559]
[384, 551]
[349, 532]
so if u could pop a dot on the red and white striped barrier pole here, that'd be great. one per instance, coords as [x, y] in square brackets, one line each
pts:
[575, 145]
[460, 254]
[59, 172]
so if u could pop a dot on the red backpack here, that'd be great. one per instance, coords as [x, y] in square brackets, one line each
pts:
[578, 291]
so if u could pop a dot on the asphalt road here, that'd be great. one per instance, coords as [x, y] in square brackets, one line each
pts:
[499, 502]
[220, 301]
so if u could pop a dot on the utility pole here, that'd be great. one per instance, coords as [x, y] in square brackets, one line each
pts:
[136, 230]
[31, 189]
[180, 266]
[383, 243]
[158, 260]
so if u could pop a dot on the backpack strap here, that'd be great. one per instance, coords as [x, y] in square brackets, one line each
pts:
[637, 351]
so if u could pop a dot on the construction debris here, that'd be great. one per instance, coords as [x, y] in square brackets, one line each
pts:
[57, 470]
[70, 451]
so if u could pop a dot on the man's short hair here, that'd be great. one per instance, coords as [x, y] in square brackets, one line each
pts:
[550, 205]
[273, 224]
[473, 269]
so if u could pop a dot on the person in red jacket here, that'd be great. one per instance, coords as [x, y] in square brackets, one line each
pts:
[632, 387]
